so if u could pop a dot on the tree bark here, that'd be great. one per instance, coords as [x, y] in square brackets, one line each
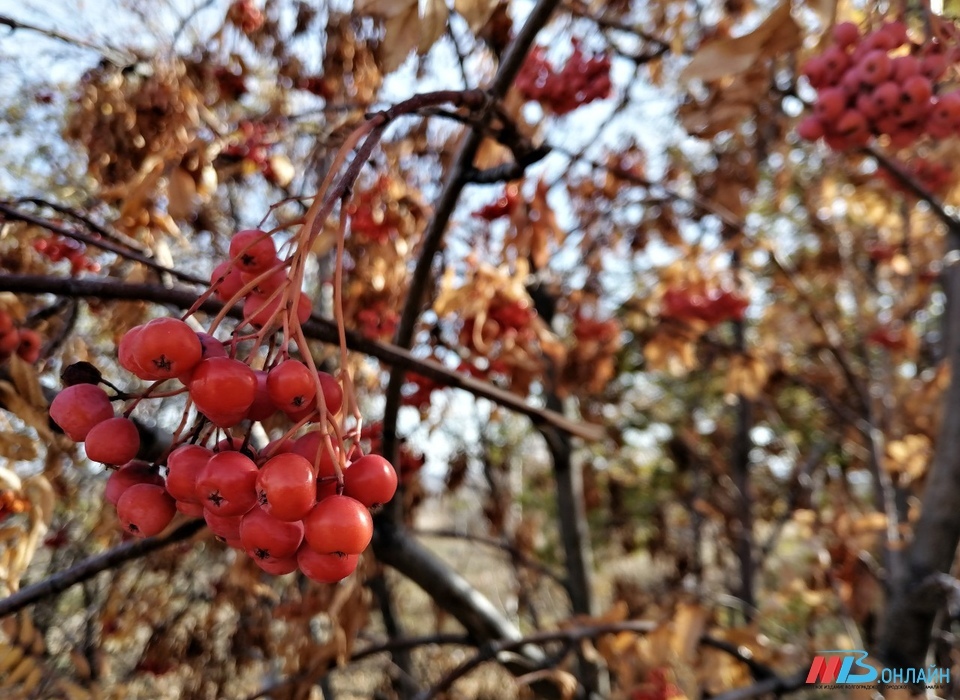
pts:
[908, 624]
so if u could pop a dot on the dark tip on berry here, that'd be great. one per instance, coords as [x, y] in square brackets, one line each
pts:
[216, 498]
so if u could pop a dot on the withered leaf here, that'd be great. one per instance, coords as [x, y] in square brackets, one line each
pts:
[777, 34]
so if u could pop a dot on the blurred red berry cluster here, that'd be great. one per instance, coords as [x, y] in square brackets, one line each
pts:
[581, 80]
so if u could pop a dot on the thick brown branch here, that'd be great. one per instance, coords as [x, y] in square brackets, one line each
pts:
[88, 568]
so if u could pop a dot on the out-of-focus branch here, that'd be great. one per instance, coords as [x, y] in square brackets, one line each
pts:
[118, 57]
[11, 213]
[88, 568]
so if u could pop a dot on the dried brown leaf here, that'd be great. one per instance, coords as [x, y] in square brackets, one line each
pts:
[717, 59]
[433, 24]
[476, 12]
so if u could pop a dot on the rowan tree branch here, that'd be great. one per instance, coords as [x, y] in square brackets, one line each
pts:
[11, 213]
[316, 328]
[457, 179]
[90, 567]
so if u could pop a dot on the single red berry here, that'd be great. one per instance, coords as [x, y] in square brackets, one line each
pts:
[191, 510]
[262, 406]
[183, 466]
[253, 251]
[126, 350]
[223, 389]
[846, 34]
[265, 537]
[29, 346]
[226, 485]
[226, 281]
[9, 342]
[810, 129]
[225, 526]
[259, 310]
[210, 347]
[77, 409]
[134, 472]
[338, 524]
[322, 452]
[326, 567]
[166, 347]
[291, 385]
[145, 510]
[270, 282]
[372, 480]
[278, 567]
[287, 487]
[113, 441]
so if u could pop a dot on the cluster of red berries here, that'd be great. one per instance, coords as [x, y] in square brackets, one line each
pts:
[246, 16]
[257, 138]
[25, 343]
[505, 205]
[869, 86]
[299, 503]
[371, 216]
[582, 79]
[711, 307]
[932, 176]
[56, 248]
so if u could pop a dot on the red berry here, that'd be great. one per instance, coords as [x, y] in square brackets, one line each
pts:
[223, 390]
[145, 510]
[262, 407]
[372, 480]
[278, 567]
[338, 524]
[315, 447]
[29, 346]
[846, 34]
[9, 342]
[226, 280]
[113, 441]
[287, 487]
[77, 409]
[183, 466]
[191, 510]
[125, 350]
[134, 472]
[210, 347]
[265, 537]
[225, 526]
[166, 347]
[326, 568]
[875, 67]
[269, 284]
[259, 310]
[830, 104]
[810, 129]
[253, 251]
[226, 485]
[291, 385]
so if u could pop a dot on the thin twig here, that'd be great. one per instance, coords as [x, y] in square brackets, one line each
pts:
[13, 214]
